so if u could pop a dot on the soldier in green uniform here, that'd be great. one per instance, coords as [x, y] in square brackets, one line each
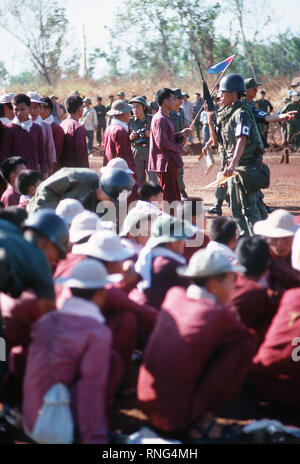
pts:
[139, 133]
[293, 127]
[179, 123]
[242, 146]
[264, 105]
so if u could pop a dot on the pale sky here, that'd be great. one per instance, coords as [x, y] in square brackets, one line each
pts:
[95, 14]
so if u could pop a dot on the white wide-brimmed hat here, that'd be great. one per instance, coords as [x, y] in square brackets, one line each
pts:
[34, 97]
[68, 209]
[7, 98]
[133, 217]
[167, 229]
[280, 223]
[117, 163]
[207, 263]
[84, 225]
[89, 273]
[105, 245]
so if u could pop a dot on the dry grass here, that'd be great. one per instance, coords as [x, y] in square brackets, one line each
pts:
[276, 89]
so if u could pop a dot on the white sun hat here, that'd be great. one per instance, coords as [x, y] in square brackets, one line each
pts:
[84, 225]
[206, 263]
[132, 219]
[89, 273]
[280, 223]
[105, 245]
[118, 163]
[7, 98]
[34, 97]
[68, 209]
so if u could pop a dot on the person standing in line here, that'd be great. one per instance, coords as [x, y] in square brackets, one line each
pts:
[196, 107]
[101, 111]
[188, 111]
[89, 121]
[166, 147]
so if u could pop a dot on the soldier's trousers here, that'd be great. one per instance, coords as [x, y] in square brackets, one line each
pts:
[180, 179]
[140, 155]
[244, 207]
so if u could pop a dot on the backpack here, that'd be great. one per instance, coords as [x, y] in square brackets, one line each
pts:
[54, 424]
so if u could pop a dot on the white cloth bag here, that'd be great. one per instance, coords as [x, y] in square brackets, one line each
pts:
[54, 424]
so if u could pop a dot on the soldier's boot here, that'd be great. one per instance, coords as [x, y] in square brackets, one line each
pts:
[183, 195]
[216, 209]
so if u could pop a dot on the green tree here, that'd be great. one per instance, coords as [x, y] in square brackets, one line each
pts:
[40, 25]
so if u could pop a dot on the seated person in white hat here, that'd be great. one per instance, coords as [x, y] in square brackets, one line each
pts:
[199, 353]
[276, 374]
[255, 303]
[116, 136]
[72, 346]
[122, 314]
[136, 230]
[279, 229]
[159, 259]
[68, 209]
[149, 198]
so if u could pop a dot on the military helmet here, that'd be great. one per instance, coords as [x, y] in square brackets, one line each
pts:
[51, 226]
[141, 101]
[233, 83]
[114, 181]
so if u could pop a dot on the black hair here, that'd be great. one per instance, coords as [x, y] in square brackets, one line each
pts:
[148, 190]
[21, 98]
[99, 98]
[153, 106]
[73, 103]
[14, 215]
[163, 94]
[253, 253]
[9, 105]
[1, 110]
[9, 166]
[85, 293]
[49, 102]
[222, 230]
[26, 179]
[192, 206]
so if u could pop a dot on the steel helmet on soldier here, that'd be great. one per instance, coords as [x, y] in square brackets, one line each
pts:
[51, 226]
[114, 181]
[233, 83]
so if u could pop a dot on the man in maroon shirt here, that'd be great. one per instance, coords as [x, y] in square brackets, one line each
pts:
[166, 147]
[10, 170]
[75, 152]
[57, 130]
[198, 354]
[116, 137]
[24, 138]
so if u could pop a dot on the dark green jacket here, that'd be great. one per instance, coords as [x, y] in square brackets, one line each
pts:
[28, 266]
[78, 183]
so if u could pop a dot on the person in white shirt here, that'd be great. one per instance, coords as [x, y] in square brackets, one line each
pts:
[223, 235]
[90, 121]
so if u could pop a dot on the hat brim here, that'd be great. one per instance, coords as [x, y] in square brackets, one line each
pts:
[74, 238]
[185, 271]
[116, 112]
[155, 241]
[35, 100]
[75, 283]
[98, 253]
[262, 228]
[106, 168]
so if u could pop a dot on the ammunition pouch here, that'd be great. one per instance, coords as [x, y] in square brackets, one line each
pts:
[254, 176]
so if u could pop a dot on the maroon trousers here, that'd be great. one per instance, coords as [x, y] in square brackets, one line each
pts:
[169, 182]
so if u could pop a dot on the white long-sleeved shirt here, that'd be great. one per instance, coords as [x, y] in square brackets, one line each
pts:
[89, 119]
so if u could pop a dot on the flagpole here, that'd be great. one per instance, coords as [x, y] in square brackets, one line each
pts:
[212, 90]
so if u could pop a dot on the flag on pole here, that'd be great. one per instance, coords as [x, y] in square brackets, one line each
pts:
[221, 66]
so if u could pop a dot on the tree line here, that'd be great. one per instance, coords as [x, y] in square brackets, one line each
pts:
[152, 37]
